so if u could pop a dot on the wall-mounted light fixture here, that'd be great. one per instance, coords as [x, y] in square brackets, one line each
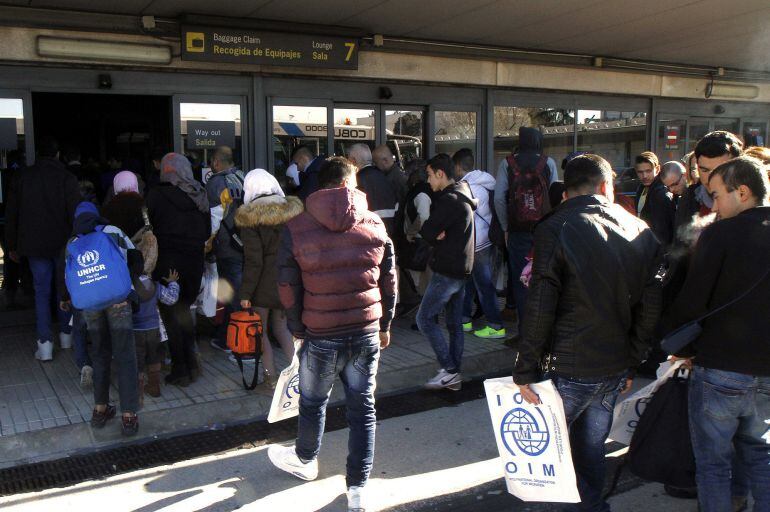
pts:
[89, 49]
[730, 90]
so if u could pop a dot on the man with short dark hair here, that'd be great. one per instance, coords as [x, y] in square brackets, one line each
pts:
[654, 204]
[225, 193]
[593, 304]
[729, 401]
[39, 215]
[308, 165]
[450, 230]
[337, 281]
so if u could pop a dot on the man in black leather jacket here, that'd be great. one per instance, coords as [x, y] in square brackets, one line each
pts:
[593, 303]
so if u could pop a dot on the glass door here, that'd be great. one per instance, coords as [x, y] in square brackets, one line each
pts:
[298, 122]
[677, 135]
[16, 141]
[203, 123]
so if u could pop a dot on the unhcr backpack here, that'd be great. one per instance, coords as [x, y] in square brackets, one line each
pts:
[528, 199]
[95, 272]
[244, 339]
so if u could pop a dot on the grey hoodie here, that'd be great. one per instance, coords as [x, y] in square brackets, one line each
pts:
[481, 183]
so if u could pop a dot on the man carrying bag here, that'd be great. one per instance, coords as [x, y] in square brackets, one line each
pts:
[593, 304]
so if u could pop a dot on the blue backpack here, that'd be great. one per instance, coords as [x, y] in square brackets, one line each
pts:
[96, 272]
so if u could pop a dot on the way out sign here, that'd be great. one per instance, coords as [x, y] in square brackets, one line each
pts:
[533, 442]
[210, 134]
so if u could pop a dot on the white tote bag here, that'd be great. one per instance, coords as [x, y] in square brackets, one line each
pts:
[206, 303]
[626, 415]
[285, 403]
[533, 442]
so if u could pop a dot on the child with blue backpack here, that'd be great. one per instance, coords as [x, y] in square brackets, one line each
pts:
[99, 283]
[146, 319]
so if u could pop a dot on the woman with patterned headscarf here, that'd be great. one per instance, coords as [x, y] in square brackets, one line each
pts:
[179, 214]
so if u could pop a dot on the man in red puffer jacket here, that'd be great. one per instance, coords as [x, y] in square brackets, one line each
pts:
[337, 281]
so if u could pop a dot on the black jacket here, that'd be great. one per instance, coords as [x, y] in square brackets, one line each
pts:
[40, 208]
[451, 212]
[380, 194]
[658, 211]
[730, 256]
[308, 179]
[594, 298]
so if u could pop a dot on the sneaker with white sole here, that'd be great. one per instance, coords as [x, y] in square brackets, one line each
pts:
[467, 326]
[86, 376]
[44, 351]
[445, 380]
[356, 501]
[65, 340]
[490, 333]
[285, 458]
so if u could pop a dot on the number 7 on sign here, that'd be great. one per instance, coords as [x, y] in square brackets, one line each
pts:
[351, 47]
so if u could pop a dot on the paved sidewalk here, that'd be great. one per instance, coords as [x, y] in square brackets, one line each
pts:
[44, 412]
[435, 460]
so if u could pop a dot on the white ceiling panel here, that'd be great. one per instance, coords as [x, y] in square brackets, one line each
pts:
[329, 12]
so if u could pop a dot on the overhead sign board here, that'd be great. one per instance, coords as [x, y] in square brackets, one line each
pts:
[240, 46]
[210, 134]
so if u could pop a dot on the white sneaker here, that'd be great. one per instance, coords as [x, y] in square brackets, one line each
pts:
[285, 458]
[444, 379]
[86, 376]
[65, 340]
[44, 351]
[356, 501]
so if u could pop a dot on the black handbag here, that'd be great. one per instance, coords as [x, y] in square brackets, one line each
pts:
[661, 448]
[416, 255]
[679, 338]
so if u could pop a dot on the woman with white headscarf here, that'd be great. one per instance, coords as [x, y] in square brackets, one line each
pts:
[261, 219]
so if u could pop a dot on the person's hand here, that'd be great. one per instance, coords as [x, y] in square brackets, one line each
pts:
[14, 256]
[687, 365]
[65, 305]
[627, 387]
[384, 339]
[441, 236]
[528, 395]
[173, 276]
[245, 304]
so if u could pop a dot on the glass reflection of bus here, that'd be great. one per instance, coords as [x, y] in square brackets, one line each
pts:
[288, 135]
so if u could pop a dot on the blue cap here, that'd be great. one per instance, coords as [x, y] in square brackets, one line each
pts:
[86, 207]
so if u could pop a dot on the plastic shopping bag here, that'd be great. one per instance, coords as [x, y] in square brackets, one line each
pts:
[625, 418]
[285, 403]
[533, 442]
[206, 303]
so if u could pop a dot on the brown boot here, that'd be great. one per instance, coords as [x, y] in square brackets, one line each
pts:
[152, 386]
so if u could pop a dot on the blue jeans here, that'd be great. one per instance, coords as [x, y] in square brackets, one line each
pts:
[444, 292]
[728, 411]
[588, 406]
[79, 340]
[355, 360]
[111, 331]
[481, 282]
[43, 273]
[229, 270]
[519, 247]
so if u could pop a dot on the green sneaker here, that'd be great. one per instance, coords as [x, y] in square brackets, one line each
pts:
[489, 333]
[468, 327]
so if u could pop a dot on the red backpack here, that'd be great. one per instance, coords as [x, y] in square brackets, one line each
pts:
[244, 339]
[528, 198]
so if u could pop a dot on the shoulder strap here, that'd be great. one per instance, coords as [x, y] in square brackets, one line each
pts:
[253, 384]
[738, 299]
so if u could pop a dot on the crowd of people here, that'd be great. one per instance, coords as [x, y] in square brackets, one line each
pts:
[359, 241]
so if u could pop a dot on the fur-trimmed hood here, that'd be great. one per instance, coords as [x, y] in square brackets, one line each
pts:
[268, 213]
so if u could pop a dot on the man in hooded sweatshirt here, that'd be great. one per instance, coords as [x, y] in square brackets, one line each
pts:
[449, 229]
[521, 199]
[481, 183]
[337, 281]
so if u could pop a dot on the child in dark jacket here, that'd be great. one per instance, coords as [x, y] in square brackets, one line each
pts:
[149, 348]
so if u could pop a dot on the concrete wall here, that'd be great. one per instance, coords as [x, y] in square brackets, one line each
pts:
[19, 45]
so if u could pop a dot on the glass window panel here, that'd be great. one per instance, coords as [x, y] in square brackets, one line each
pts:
[696, 129]
[353, 126]
[11, 141]
[405, 131]
[218, 112]
[294, 126]
[455, 130]
[754, 133]
[728, 125]
[671, 139]
[556, 124]
[615, 136]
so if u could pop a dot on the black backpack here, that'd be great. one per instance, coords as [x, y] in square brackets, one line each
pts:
[661, 448]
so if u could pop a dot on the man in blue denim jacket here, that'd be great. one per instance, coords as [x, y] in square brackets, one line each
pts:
[729, 400]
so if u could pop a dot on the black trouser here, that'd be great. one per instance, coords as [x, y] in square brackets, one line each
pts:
[181, 337]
